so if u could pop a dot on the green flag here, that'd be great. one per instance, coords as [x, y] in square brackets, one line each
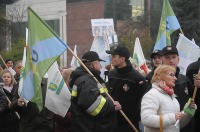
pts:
[187, 109]
[44, 47]
[168, 24]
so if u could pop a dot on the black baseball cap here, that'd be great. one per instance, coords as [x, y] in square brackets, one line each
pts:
[91, 56]
[120, 50]
[169, 50]
[156, 52]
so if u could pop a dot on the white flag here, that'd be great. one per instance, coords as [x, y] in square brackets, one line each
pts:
[74, 63]
[188, 52]
[23, 65]
[57, 94]
[138, 56]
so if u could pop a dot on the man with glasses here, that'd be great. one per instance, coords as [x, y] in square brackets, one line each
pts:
[183, 87]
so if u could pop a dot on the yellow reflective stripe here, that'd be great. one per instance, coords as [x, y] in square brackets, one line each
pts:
[100, 106]
[102, 89]
[96, 107]
[74, 91]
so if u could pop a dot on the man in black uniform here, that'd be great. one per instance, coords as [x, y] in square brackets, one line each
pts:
[183, 87]
[92, 110]
[191, 73]
[127, 86]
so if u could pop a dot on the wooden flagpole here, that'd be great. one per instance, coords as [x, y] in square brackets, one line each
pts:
[123, 114]
[195, 88]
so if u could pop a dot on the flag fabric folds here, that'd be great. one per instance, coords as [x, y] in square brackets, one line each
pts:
[44, 47]
[74, 63]
[187, 109]
[57, 93]
[138, 57]
[188, 52]
[168, 24]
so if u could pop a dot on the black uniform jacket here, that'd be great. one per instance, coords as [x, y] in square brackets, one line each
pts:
[183, 90]
[127, 86]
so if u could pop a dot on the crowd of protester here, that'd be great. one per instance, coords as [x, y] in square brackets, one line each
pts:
[152, 102]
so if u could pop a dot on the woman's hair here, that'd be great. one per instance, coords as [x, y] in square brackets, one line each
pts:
[16, 63]
[160, 71]
[66, 74]
[12, 77]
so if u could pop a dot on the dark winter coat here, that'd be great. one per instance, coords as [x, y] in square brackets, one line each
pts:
[31, 120]
[87, 93]
[8, 118]
[192, 71]
[62, 124]
[127, 86]
[183, 90]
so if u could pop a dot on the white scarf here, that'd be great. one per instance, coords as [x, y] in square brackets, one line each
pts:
[9, 89]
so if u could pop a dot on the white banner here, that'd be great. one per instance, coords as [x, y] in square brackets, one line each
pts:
[102, 27]
[100, 45]
[188, 53]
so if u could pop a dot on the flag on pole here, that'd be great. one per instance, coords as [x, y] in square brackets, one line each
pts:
[21, 79]
[74, 63]
[168, 24]
[138, 56]
[57, 93]
[188, 52]
[44, 47]
[189, 110]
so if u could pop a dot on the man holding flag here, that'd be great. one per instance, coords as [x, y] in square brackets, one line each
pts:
[43, 48]
[193, 74]
[92, 110]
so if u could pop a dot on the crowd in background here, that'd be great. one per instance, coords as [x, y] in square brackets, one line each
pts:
[152, 102]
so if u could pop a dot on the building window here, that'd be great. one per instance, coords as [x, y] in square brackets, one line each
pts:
[19, 29]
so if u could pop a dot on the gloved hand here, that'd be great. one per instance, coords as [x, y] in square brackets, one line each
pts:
[190, 107]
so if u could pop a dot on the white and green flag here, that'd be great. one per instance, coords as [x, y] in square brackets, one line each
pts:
[57, 94]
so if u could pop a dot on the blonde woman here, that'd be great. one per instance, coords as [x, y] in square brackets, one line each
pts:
[159, 107]
[8, 118]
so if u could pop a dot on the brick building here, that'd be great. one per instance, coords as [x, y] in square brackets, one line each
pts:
[79, 30]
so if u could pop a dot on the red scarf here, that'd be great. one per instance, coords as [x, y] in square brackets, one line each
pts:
[165, 88]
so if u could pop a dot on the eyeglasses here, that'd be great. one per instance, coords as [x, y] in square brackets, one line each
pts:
[171, 74]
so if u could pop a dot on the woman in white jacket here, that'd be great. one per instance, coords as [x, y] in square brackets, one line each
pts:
[159, 107]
